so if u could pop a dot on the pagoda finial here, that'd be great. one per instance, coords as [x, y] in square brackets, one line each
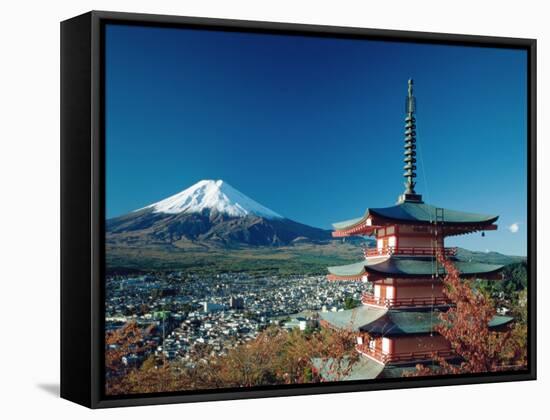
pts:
[410, 149]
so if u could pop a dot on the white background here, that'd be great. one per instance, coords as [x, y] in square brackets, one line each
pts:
[29, 191]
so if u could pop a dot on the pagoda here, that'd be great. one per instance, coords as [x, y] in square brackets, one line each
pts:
[400, 312]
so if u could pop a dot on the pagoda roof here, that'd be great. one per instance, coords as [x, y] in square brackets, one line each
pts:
[353, 319]
[393, 322]
[364, 368]
[346, 224]
[411, 212]
[417, 322]
[349, 270]
[409, 267]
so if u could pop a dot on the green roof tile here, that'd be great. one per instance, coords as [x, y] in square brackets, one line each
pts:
[426, 213]
[418, 212]
[500, 320]
[393, 322]
[415, 322]
[364, 368]
[404, 322]
[355, 269]
[410, 267]
[353, 319]
[347, 223]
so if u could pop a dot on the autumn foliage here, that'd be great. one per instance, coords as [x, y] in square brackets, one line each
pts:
[275, 357]
[120, 344]
[466, 326]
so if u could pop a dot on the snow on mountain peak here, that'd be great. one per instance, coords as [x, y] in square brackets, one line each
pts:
[212, 195]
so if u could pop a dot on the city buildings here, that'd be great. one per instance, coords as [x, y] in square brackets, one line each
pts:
[239, 306]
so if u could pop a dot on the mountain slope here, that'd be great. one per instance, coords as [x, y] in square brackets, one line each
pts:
[488, 257]
[211, 212]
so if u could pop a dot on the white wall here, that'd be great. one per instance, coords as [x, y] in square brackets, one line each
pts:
[29, 173]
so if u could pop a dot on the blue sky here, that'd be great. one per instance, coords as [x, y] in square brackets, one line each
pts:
[313, 127]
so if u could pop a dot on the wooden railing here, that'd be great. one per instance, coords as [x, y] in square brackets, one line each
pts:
[404, 356]
[417, 251]
[370, 299]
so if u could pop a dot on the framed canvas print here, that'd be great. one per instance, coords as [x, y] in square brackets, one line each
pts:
[256, 209]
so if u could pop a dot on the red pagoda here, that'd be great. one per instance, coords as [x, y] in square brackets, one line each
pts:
[401, 311]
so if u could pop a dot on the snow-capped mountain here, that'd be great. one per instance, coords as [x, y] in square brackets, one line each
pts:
[212, 195]
[208, 212]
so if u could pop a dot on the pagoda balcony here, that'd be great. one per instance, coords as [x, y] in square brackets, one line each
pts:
[404, 357]
[412, 302]
[412, 251]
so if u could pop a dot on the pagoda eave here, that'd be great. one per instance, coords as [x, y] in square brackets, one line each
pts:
[351, 319]
[415, 214]
[334, 277]
[410, 267]
[486, 275]
[362, 230]
[450, 230]
[446, 229]
[389, 323]
[364, 368]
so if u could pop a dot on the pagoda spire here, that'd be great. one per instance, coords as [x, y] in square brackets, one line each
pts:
[410, 149]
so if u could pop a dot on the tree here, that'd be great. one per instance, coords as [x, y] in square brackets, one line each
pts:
[350, 303]
[466, 326]
[275, 357]
[120, 344]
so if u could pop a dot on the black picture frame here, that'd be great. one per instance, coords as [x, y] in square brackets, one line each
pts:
[83, 213]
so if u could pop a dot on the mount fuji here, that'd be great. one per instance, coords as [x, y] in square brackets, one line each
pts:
[216, 196]
[210, 212]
